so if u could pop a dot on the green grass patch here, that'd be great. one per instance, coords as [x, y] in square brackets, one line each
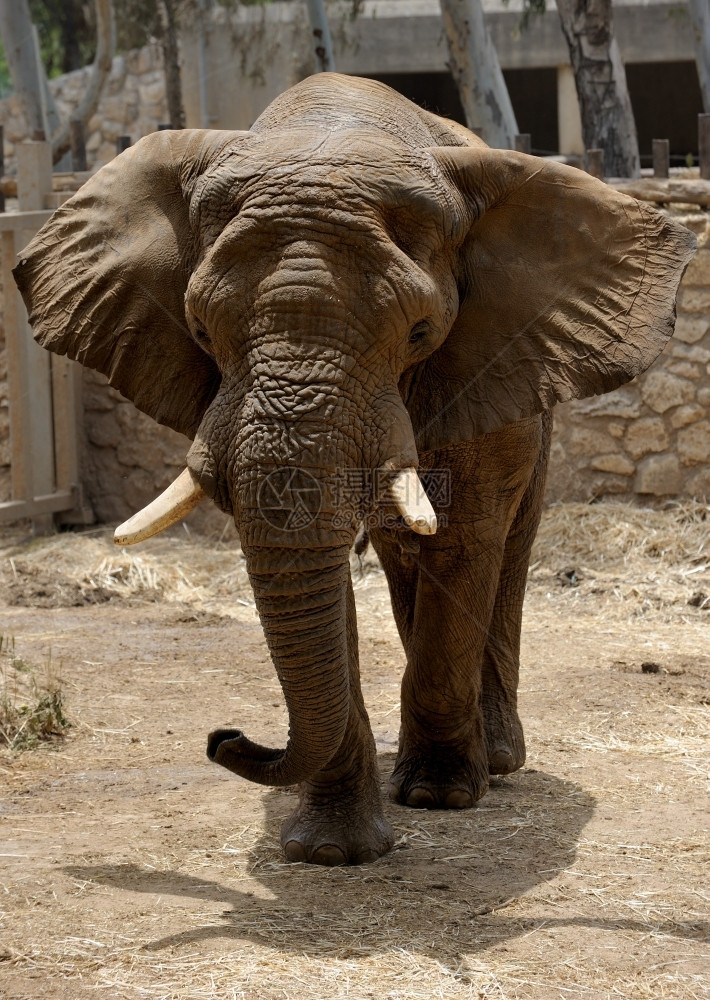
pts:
[31, 700]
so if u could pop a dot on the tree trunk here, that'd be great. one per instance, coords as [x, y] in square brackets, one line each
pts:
[700, 19]
[607, 116]
[168, 40]
[474, 65]
[18, 42]
[322, 44]
[61, 141]
[70, 15]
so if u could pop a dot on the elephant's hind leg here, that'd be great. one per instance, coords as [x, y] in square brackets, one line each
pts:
[501, 659]
[339, 818]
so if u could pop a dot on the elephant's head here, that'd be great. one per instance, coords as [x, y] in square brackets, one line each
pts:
[347, 284]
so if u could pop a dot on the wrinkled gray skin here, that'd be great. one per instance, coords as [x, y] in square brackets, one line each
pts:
[355, 284]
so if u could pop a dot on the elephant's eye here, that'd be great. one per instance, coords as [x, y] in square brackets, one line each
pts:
[202, 338]
[418, 332]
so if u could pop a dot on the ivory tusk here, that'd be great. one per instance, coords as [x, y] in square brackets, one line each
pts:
[410, 499]
[171, 506]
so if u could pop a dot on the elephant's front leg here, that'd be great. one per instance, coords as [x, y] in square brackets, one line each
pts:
[444, 598]
[339, 819]
[442, 760]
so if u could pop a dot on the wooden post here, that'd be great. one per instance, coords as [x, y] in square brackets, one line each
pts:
[18, 394]
[661, 157]
[78, 147]
[523, 143]
[2, 166]
[122, 142]
[704, 146]
[34, 184]
[44, 404]
[595, 163]
[67, 413]
[34, 174]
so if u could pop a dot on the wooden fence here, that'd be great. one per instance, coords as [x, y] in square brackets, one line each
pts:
[661, 188]
[44, 390]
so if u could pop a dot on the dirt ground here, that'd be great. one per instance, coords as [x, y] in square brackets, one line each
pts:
[131, 867]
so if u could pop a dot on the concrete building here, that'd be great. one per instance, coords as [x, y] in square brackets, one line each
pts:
[234, 63]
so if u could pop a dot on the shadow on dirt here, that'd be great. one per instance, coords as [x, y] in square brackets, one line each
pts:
[442, 891]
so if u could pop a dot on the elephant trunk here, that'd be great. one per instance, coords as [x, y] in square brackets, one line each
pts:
[303, 613]
[290, 484]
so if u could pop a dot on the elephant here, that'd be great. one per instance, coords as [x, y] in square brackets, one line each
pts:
[343, 307]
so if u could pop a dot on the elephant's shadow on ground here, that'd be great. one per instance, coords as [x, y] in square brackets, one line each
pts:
[442, 891]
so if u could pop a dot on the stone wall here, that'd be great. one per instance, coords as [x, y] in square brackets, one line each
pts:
[133, 103]
[650, 438]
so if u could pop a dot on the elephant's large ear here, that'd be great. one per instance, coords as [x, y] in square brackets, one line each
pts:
[104, 280]
[567, 290]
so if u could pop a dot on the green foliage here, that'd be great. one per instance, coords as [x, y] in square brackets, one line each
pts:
[136, 23]
[31, 706]
[530, 7]
[5, 79]
[67, 30]
[67, 33]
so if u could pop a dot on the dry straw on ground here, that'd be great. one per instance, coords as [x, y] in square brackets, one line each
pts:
[631, 554]
[619, 536]
[636, 558]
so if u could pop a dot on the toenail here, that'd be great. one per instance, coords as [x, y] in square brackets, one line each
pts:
[294, 851]
[501, 761]
[459, 798]
[421, 798]
[328, 854]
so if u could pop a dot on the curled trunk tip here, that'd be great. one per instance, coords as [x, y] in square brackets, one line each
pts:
[263, 765]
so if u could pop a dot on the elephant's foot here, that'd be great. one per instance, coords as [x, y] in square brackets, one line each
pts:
[335, 830]
[439, 778]
[504, 741]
